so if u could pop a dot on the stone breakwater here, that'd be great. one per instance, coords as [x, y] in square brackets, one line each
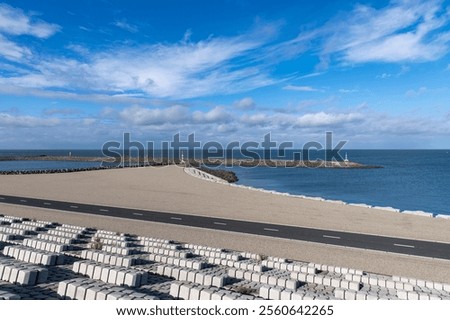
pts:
[47, 260]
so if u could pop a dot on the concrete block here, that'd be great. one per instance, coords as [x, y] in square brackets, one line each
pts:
[297, 295]
[206, 294]
[291, 284]
[232, 272]
[356, 286]
[184, 291]
[103, 294]
[175, 289]
[264, 292]
[27, 277]
[272, 280]
[413, 295]
[281, 282]
[104, 274]
[191, 276]
[219, 281]
[132, 279]
[390, 284]
[408, 287]
[91, 293]
[286, 295]
[97, 272]
[350, 295]
[195, 293]
[199, 278]
[403, 295]
[264, 278]
[208, 280]
[275, 293]
[256, 277]
[218, 295]
[248, 275]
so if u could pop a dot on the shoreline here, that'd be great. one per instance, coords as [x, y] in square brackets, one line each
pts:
[287, 194]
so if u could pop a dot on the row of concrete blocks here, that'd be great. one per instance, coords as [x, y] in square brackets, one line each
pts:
[380, 281]
[218, 254]
[102, 231]
[142, 238]
[326, 281]
[21, 272]
[348, 294]
[110, 274]
[9, 219]
[64, 234]
[109, 258]
[119, 250]
[268, 292]
[411, 295]
[193, 276]
[6, 237]
[46, 245]
[111, 236]
[88, 289]
[424, 283]
[179, 262]
[23, 226]
[249, 255]
[170, 246]
[200, 247]
[19, 232]
[40, 224]
[190, 291]
[73, 227]
[245, 265]
[263, 278]
[277, 259]
[27, 254]
[168, 252]
[71, 230]
[5, 295]
[341, 270]
[52, 238]
[287, 266]
[116, 243]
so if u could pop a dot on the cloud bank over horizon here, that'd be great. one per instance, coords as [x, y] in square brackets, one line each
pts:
[375, 74]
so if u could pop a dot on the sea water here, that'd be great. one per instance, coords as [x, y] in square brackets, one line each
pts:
[409, 179]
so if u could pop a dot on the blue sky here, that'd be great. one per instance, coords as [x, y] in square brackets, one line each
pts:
[75, 74]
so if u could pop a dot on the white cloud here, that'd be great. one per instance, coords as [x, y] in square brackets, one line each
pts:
[300, 88]
[402, 31]
[137, 115]
[14, 21]
[11, 50]
[123, 24]
[246, 103]
[323, 119]
[18, 121]
[215, 115]
[414, 93]
[179, 70]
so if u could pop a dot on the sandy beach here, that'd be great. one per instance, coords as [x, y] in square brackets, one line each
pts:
[169, 189]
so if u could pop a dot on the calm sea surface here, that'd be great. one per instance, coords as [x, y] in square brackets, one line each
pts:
[409, 179]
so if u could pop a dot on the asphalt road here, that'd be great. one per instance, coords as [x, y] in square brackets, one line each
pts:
[347, 239]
